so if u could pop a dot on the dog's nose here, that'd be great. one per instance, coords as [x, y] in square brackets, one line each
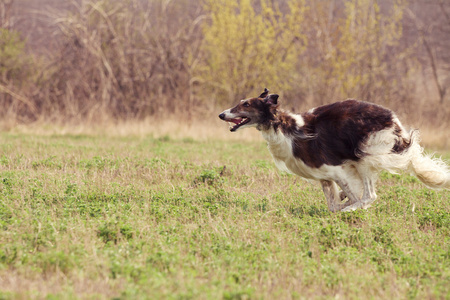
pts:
[222, 116]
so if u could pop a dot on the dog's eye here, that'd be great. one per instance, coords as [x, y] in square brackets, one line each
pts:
[245, 104]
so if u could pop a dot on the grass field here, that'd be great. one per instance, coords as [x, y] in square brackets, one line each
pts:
[94, 217]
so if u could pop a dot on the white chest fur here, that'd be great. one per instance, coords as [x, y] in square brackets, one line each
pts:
[280, 146]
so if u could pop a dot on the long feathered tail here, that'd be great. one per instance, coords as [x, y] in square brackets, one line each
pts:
[432, 171]
[407, 155]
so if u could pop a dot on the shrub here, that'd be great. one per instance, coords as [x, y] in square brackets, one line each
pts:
[16, 69]
[249, 46]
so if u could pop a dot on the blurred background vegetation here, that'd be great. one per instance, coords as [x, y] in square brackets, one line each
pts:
[92, 61]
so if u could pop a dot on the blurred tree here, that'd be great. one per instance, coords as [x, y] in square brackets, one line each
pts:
[366, 36]
[113, 59]
[15, 74]
[356, 49]
[5, 13]
[250, 45]
[124, 58]
[433, 31]
[11, 55]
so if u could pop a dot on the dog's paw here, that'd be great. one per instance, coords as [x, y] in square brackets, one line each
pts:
[352, 207]
[366, 205]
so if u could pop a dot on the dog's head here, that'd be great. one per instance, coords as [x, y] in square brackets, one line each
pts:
[252, 112]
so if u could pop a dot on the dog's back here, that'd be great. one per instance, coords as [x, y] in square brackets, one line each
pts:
[341, 131]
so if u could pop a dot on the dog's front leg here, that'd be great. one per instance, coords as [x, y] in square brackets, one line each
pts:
[353, 194]
[331, 192]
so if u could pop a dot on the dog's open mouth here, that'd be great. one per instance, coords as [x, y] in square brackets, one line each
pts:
[238, 122]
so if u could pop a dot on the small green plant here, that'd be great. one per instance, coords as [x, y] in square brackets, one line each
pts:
[113, 231]
[433, 218]
[210, 176]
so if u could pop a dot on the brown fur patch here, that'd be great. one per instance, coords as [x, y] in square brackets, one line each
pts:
[401, 144]
[340, 130]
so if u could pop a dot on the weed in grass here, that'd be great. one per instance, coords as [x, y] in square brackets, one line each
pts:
[430, 218]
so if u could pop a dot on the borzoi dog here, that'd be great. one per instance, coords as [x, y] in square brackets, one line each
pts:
[343, 144]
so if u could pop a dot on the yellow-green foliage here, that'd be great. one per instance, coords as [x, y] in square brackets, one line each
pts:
[358, 62]
[250, 45]
[113, 59]
[13, 58]
[17, 73]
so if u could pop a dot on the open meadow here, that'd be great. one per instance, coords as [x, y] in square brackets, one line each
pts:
[142, 217]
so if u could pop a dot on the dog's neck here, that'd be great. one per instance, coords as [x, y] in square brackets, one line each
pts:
[283, 121]
[272, 131]
[287, 126]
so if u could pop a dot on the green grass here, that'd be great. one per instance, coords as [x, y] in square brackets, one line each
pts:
[139, 217]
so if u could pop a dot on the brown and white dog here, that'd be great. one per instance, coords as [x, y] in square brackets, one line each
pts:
[343, 144]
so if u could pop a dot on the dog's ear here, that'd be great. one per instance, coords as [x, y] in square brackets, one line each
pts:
[272, 99]
[264, 94]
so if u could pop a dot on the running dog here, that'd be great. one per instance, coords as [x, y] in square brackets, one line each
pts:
[343, 144]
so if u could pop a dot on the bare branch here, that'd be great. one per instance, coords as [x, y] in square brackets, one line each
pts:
[423, 32]
[5, 13]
